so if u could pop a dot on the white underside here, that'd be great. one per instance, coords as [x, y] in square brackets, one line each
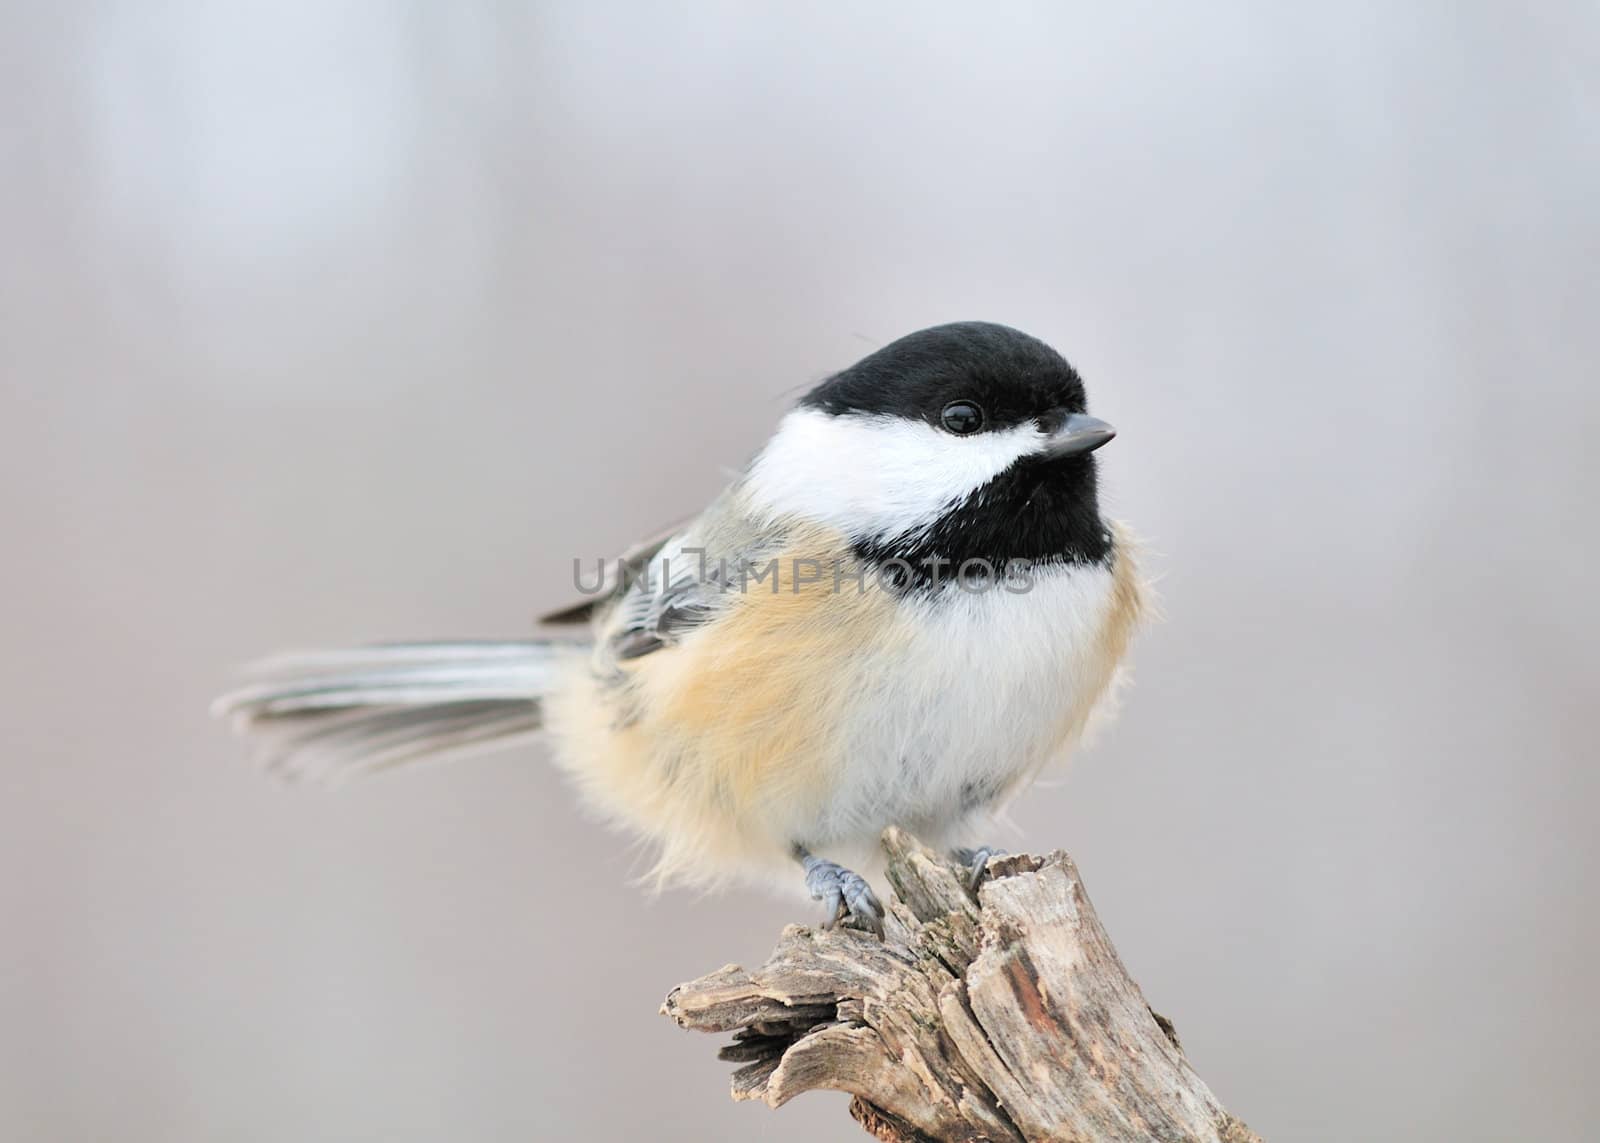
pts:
[945, 731]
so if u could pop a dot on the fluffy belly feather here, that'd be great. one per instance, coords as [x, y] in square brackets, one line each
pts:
[989, 689]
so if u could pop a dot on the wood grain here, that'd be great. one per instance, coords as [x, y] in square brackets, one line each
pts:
[1001, 1016]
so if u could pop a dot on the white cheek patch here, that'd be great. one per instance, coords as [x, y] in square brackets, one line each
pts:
[876, 476]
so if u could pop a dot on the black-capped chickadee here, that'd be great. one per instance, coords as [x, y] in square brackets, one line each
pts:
[905, 607]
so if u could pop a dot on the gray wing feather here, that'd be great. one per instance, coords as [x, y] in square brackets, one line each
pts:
[614, 577]
[688, 582]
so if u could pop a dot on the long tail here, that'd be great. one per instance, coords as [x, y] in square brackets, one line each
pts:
[335, 714]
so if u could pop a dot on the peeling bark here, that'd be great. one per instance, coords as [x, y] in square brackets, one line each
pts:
[1003, 1017]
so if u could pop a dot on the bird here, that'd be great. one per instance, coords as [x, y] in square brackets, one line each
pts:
[901, 612]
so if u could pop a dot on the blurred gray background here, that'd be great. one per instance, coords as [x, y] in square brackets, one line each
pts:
[328, 322]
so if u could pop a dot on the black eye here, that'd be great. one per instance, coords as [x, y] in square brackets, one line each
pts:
[962, 417]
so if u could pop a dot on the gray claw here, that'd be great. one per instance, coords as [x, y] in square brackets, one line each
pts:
[843, 894]
[976, 862]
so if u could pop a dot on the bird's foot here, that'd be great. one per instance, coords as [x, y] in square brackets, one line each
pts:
[976, 862]
[844, 895]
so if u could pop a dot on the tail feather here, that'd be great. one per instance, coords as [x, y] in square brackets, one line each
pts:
[335, 714]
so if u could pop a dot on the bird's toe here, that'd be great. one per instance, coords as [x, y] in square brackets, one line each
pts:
[976, 862]
[845, 895]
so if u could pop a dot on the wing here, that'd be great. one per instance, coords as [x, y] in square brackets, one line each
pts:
[614, 577]
[678, 591]
[690, 579]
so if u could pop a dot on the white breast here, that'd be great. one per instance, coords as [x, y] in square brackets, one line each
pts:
[985, 689]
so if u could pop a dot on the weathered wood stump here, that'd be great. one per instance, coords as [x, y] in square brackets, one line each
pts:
[1005, 1015]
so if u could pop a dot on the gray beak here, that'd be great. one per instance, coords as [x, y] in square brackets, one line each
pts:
[1068, 434]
